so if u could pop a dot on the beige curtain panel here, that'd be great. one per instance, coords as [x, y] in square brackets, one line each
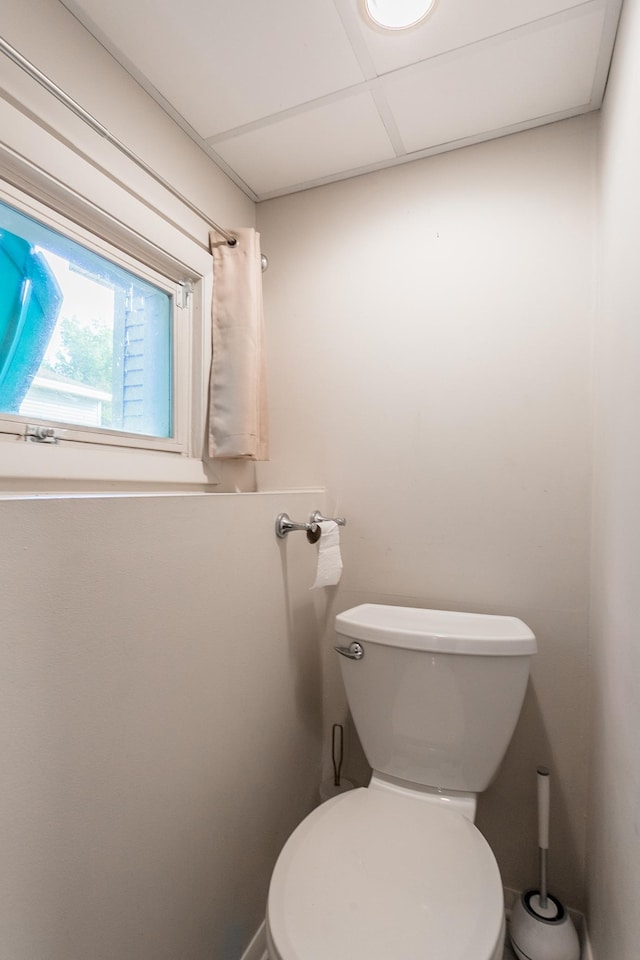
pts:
[237, 391]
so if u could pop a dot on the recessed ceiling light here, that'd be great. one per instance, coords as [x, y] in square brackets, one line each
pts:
[397, 14]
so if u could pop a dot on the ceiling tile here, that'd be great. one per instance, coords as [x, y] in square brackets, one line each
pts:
[316, 143]
[224, 64]
[520, 77]
[453, 24]
[293, 92]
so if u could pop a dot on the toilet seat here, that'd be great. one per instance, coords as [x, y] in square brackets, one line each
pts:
[372, 875]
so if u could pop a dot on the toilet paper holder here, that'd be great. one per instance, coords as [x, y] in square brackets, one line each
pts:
[284, 525]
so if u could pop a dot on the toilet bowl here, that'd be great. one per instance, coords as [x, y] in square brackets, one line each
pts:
[372, 875]
[398, 870]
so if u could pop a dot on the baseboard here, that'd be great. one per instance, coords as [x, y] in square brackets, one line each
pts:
[586, 953]
[257, 949]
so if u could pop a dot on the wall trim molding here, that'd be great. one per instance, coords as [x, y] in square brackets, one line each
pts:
[257, 949]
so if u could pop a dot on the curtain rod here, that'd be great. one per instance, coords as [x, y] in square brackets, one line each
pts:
[100, 129]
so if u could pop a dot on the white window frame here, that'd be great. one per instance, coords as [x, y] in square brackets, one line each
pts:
[86, 454]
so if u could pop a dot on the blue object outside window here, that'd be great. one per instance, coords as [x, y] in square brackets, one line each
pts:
[30, 301]
[82, 340]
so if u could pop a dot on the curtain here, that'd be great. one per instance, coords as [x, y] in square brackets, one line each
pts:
[237, 390]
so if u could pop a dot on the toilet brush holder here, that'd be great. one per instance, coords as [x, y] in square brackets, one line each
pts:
[540, 928]
[538, 933]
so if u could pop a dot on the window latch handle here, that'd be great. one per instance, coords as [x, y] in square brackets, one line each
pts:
[37, 433]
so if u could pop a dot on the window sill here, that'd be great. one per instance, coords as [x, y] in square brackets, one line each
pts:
[34, 467]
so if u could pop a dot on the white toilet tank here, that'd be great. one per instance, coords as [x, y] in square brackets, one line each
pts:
[436, 695]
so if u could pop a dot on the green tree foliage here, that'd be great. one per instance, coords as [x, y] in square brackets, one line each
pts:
[85, 353]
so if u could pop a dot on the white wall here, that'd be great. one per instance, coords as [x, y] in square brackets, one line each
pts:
[430, 336]
[614, 826]
[159, 684]
[159, 715]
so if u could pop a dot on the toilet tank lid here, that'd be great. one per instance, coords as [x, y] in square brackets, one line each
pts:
[441, 631]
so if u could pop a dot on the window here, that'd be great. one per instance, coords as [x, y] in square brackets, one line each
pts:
[84, 341]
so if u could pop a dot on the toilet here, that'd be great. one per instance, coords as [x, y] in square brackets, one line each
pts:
[398, 870]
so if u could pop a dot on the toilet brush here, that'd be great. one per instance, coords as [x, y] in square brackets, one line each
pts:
[540, 928]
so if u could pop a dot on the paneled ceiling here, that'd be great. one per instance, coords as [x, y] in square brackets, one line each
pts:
[288, 94]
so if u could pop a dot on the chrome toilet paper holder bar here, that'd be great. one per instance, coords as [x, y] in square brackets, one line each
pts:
[284, 525]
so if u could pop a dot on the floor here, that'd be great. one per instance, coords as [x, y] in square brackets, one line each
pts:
[507, 955]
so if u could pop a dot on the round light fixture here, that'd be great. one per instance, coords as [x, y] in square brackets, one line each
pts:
[397, 14]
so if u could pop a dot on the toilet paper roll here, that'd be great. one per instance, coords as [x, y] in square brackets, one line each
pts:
[329, 559]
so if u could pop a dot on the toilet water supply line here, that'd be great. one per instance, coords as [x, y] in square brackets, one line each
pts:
[337, 750]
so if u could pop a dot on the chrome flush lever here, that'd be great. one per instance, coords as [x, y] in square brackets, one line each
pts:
[354, 651]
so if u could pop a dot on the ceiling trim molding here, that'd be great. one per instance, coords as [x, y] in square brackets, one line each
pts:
[479, 138]
[609, 33]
